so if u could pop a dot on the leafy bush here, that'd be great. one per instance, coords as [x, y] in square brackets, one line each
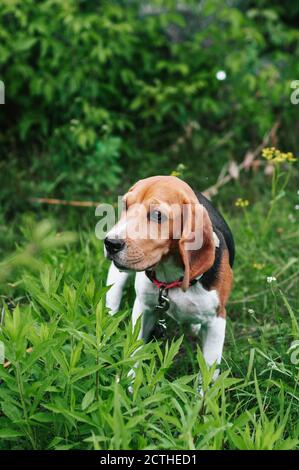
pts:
[88, 83]
[71, 390]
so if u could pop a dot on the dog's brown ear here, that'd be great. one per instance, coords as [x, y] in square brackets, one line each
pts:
[197, 245]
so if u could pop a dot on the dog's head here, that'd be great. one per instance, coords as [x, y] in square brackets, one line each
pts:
[161, 215]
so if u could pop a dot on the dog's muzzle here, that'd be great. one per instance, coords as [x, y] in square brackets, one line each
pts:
[113, 245]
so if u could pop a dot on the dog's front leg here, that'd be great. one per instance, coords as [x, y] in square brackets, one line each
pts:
[148, 319]
[117, 279]
[147, 323]
[213, 341]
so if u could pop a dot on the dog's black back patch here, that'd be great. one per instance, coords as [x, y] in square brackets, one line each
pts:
[219, 225]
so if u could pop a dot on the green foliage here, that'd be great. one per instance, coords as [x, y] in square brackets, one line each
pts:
[71, 390]
[42, 239]
[88, 82]
[99, 94]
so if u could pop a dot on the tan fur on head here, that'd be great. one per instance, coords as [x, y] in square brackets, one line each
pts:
[143, 253]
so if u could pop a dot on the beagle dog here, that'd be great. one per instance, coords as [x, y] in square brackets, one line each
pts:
[182, 253]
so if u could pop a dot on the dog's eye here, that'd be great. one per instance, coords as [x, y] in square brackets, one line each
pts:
[156, 216]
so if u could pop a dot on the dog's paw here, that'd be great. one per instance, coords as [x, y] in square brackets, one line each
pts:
[199, 389]
[131, 375]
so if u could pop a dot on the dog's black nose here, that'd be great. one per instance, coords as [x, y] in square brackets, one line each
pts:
[113, 245]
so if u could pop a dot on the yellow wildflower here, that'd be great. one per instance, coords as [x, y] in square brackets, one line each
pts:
[258, 266]
[276, 157]
[179, 170]
[241, 202]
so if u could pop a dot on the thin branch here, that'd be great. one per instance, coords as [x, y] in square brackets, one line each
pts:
[63, 202]
[226, 178]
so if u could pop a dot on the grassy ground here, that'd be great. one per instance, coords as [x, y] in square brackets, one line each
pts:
[71, 390]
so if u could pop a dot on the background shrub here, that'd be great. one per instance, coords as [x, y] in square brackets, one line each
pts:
[130, 88]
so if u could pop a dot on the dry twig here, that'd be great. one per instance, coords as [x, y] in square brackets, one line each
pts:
[246, 163]
[63, 202]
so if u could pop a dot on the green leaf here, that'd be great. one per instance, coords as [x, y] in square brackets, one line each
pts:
[10, 433]
[88, 399]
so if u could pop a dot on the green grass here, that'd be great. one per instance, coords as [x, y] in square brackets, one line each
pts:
[70, 392]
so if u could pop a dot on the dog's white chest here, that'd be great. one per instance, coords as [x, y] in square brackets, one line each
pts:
[197, 305]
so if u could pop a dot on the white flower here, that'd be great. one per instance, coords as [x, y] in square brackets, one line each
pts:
[271, 279]
[250, 310]
[221, 75]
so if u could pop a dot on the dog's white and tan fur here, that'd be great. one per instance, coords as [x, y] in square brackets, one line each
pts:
[199, 308]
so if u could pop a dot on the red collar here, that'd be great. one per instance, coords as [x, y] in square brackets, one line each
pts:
[168, 285]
